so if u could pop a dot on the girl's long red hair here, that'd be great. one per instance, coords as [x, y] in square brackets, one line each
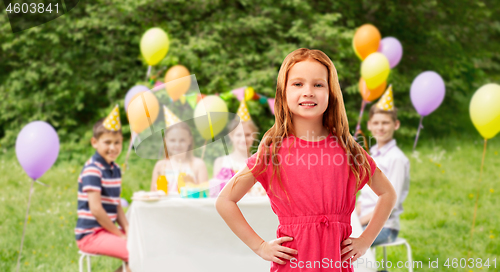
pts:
[334, 120]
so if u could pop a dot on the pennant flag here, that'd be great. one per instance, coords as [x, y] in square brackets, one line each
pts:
[270, 101]
[239, 93]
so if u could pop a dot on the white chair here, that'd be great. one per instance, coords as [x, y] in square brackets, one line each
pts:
[399, 241]
[88, 255]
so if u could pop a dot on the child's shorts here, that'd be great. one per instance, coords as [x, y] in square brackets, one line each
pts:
[103, 242]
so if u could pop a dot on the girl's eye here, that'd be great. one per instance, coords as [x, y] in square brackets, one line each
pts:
[297, 84]
[318, 85]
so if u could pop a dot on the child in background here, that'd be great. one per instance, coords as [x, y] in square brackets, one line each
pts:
[182, 166]
[242, 139]
[391, 161]
[99, 188]
[311, 168]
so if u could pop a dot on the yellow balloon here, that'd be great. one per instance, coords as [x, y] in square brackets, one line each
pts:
[249, 93]
[485, 111]
[142, 111]
[375, 70]
[177, 81]
[216, 110]
[154, 45]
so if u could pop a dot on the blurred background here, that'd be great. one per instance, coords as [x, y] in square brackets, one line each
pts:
[71, 71]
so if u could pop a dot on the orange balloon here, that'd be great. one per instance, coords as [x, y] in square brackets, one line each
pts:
[177, 81]
[366, 40]
[141, 112]
[371, 95]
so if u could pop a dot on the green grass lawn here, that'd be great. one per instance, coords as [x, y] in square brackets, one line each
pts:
[436, 222]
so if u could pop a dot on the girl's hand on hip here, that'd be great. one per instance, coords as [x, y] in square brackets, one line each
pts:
[273, 250]
[354, 248]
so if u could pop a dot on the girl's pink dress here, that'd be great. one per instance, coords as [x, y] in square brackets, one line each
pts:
[322, 193]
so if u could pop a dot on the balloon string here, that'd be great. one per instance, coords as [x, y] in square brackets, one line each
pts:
[477, 200]
[418, 132]
[203, 150]
[148, 73]
[25, 222]
[358, 126]
[132, 138]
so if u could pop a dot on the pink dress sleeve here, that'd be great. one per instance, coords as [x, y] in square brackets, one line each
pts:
[373, 167]
[260, 177]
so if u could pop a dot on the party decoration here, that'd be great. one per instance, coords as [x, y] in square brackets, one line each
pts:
[270, 101]
[485, 110]
[392, 49]
[239, 93]
[375, 70]
[170, 117]
[249, 93]
[37, 148]
[427, 92]
[387, 101]
[243, 112]
[154, 45]
[177, 81]
[133, 92]
[143, 111]
[192, 100]
[370, 95]
[366, 40]
[212, 106]
[112, 122]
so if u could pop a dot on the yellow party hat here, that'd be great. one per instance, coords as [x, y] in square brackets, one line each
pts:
[170, 118]
[386, 102]
[112, 122]
[243, 112]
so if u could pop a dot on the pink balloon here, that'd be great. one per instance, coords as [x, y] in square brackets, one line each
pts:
[392, 49]
[37, 148]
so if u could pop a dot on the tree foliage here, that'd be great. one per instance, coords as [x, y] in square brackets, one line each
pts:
[71, 71]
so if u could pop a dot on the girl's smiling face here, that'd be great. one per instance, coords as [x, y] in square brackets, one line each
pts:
[307, 89]
[178, 141]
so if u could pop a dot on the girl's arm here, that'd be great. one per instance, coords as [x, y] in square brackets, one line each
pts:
[121, 218]
[100, 214]
[356, 247]
[217, 167]
[201, 169]
[229, 211]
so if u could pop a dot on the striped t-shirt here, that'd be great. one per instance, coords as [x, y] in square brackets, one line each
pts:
[97, 175]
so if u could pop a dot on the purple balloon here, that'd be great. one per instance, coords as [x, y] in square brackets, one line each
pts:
[132, 92]
[427, 92]
[392, 49]
[124, 202]
[37, 147]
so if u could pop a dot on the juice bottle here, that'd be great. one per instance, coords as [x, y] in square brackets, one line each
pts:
[180, 181]
[162, 184]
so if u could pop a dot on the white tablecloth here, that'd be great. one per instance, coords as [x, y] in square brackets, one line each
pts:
[188, 235]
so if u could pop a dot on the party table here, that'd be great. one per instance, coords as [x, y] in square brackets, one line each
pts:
[188, 235]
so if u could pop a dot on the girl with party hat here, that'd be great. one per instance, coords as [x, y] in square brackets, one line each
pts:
[181, 167]
[311, 168]
[243, 132]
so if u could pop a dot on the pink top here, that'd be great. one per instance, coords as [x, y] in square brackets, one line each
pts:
[322, 195]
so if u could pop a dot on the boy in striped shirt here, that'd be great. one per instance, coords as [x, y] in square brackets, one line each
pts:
[99, 187]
